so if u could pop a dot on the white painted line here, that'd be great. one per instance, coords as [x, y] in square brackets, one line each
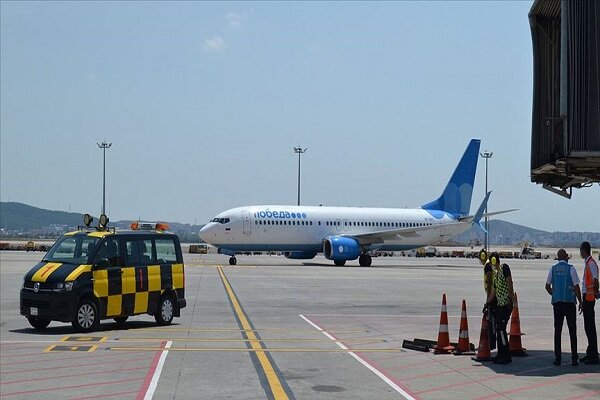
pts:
[371, 368]
[157, 371]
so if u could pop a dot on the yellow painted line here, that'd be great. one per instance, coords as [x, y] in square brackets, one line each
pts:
[49, 348]
[240, 330]
[272, 378]
[259, 350]
[212, 340]
[79, 339]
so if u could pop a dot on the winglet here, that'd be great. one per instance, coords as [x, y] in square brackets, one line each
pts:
[477, 217]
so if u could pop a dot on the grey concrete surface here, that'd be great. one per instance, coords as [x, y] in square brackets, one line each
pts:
[369, 310]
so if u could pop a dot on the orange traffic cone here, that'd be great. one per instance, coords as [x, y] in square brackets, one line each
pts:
[464, 346]
[443, 342]
[483, 351]
[514, 341]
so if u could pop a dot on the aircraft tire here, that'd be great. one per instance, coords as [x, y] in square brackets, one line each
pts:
[232, 261]
[365, 260]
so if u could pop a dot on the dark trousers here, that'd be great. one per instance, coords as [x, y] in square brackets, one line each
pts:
[564, 310]
[501, 319]
[590, 328]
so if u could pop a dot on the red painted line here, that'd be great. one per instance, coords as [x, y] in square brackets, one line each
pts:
[72, 375]
[585, 395]
[37, 353]
[398, 356]
[71, 387]
[430, 374]
[62, 358]
[103, 396]
[369, 362]
[72, 366]
[537, 385]
[411, 365]
[142, 392]
[491, 378]
[48, 268]
[16, 346]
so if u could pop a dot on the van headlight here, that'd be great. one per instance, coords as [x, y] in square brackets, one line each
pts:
[63, 287]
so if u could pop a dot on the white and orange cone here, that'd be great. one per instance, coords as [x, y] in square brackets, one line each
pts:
[443, 342]
[464, 345]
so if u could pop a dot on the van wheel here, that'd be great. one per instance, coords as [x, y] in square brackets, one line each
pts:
[39, 323]
[121, 321]
[165, 312]
[86, 316]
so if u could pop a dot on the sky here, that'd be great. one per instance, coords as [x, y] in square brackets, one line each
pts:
[203, 103]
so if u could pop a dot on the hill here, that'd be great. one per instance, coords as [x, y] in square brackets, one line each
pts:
[22, 217]
[509, 234]
[18, 219]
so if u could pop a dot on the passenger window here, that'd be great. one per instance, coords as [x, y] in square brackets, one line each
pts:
[146, 252]
[109, 249]
[132, 253]
[165, 251]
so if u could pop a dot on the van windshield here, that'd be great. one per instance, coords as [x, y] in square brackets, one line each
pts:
[76, 249]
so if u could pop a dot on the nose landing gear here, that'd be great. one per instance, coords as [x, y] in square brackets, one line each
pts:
[232, 260]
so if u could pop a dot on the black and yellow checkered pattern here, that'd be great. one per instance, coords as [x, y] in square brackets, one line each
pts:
[136, 290]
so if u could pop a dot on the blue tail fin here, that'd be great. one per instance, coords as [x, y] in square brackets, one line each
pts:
[456, 198]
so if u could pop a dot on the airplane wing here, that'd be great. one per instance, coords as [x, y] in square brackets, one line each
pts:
[404, 233]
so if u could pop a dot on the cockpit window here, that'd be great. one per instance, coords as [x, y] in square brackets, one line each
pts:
[221, 220]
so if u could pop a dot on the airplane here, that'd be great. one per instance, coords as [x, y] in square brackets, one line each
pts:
[346, 233]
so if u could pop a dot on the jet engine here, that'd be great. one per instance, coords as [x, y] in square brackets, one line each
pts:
[340, 248]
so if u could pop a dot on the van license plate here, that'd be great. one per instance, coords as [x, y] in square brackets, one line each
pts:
[33, 311]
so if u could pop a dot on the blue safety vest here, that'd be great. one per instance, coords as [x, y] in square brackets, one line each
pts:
[562, 284]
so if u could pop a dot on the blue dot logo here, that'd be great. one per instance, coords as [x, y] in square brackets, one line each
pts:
[303, 215]
[293, 215]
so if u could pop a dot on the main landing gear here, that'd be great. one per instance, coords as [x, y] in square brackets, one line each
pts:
[232, 260]
[365, 260]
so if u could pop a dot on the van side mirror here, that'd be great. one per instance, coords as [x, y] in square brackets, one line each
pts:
[102, 263]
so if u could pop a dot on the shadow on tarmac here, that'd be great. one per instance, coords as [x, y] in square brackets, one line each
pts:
[539, 363]
[106, 326]
[431, 267]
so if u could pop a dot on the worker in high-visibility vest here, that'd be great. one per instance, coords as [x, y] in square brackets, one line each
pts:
[487, 286]
[502, 293]
[590, 294]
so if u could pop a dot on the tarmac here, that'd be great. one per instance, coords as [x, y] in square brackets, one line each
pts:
[276, 328]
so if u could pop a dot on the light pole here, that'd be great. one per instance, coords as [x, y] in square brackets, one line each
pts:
[299, 150]
[487, 155]
[104, 146]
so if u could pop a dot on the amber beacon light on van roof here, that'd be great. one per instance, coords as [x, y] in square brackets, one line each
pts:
[149, 226]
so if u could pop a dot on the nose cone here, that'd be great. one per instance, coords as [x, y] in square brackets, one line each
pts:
[205, 233]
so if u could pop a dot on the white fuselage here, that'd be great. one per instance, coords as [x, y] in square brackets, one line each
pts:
[300, 228]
